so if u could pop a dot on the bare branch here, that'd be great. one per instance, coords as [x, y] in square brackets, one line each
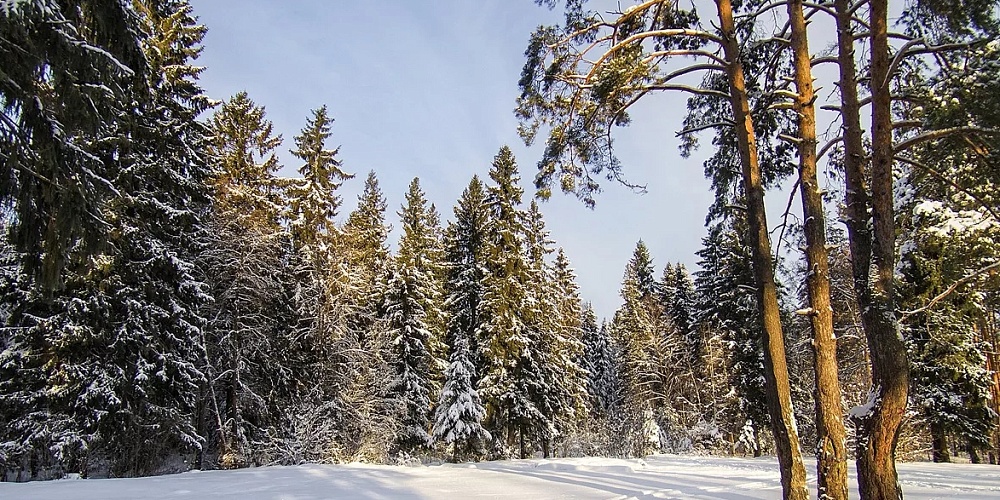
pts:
[687, 88]
[702, 53]
[899, 57]
[907, 124]
[691, 69]
[823, 60]
[826, 147]
[763, 9]
[699, 128]
[788, 138]
[784, 218]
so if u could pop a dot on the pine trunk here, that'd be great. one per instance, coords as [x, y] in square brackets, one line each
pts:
[878, 429]
[989, 337]
[793, 475]
[831, 456]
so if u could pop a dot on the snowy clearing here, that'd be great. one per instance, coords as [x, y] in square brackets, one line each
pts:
[661, 476]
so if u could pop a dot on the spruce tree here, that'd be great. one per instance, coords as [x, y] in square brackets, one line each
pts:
[725, 303]
[681, 312]
[365, 375]
[314, 202]
[600, 365]
[72, 69]
[466, 267]
[640, 358]
[460, 412]
[412, 296]
[509, 379]
[565, 349]
[122, 337]
[249, 346]
[318, 288]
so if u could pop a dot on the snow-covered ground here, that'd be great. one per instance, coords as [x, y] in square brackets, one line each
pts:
[662, 476]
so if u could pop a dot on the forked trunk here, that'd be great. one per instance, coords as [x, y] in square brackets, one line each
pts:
[779, 401]
[831, 456]
[872, 241]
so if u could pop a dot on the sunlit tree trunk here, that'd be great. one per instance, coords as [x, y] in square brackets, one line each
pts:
[871, 231]
[831, 457]
[793, 476]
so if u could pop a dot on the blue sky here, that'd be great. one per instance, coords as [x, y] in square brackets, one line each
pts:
[426, 89]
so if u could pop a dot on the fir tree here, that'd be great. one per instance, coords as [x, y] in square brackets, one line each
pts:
[71, 71]
[510, 378]
[460, 412]
[412, 296]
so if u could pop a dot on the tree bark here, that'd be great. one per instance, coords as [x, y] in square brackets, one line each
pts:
[872, 242]
[939, 444]
[793, 476]
[831, 457]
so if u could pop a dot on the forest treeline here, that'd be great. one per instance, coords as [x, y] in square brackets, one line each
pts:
[169, 301]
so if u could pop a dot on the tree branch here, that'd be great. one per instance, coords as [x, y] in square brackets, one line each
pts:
[687, 88]
[954, 286]
[707, 126]
[934, 135]
[982, 203]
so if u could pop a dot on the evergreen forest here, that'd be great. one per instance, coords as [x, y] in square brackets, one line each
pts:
[175, 297]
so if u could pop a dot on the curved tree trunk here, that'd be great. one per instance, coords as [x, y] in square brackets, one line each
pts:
[872, 242]
[793, 476]
[831, 456]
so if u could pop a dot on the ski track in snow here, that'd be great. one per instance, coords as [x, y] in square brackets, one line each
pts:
[656, 477]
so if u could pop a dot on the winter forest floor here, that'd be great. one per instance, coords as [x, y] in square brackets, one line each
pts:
[660, 476]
